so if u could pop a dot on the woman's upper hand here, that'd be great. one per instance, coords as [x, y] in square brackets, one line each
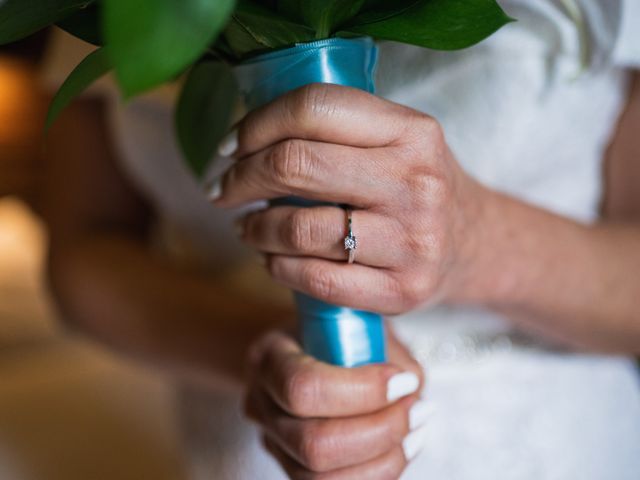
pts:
[414, 207]
[326, 422]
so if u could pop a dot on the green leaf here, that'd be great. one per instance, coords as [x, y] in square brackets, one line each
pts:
[88, 71]
[270, 4]
[85, 24]
[204, 112]
[152, 41]
[378, 4]
[436, 24]
[222, 50]
[21, 18]
[256, 28]
[240, 40]
[324, 16]
[379, 10]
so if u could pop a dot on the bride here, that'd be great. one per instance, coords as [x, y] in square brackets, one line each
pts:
[498, 222]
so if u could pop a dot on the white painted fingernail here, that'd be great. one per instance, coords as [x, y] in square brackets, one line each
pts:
[215, 189]
[229, 144]
[401, 385]
[419, 413]
[414, 443]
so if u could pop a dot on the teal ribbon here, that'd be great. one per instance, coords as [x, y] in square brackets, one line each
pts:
[337, 335]
[348, 62]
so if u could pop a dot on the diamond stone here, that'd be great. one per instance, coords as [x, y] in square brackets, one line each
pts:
[350, 242]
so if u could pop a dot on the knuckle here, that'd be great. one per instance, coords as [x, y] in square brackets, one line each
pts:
[417, 289]
[299, 231]
[437, 190]
[428, 240]
[394, 466]
[426, 137]
[279, 161]
[428, 128]
[274, 162]
[427, 188]
[300, 391]
[434, 130]
[291, 163]
[315, 448]
[320, 282]
[309, 102]
[274, 267]
[419, 242]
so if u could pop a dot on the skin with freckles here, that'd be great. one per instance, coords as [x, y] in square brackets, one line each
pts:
[427, 233]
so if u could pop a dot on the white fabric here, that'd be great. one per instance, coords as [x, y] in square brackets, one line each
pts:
[627, 49]
[528, 112]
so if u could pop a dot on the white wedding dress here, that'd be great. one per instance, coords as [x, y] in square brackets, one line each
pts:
[528, 112]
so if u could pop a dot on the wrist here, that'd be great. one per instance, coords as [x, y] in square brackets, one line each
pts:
[480, 275]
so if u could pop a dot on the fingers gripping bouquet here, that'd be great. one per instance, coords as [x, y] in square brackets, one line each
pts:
[258, 50]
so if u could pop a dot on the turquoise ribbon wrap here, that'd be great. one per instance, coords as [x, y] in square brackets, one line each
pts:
[333, 334]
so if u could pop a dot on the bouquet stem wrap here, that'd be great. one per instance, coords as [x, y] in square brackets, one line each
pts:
[333, 334]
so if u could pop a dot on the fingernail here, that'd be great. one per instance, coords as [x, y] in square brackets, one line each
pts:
[401, 385]
[229, 144]
[215, 190]
[419, 413]
[413, 443]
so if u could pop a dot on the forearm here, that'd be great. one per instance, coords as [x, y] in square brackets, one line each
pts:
[111, 287]
[577, 283]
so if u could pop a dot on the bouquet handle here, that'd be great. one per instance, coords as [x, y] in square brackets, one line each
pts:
[331, 333]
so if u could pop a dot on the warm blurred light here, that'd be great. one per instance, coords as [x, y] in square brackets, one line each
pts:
[20, 108]
[24, 309]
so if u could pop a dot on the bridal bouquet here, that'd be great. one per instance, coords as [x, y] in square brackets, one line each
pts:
[151, 42]
[260, 49]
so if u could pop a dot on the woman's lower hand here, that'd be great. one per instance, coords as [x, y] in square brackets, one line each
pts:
[414, 208]
[326, 422]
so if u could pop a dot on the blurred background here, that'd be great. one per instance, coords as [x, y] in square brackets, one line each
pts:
[68, 409]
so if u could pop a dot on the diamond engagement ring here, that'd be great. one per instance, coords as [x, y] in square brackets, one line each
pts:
[350, 241]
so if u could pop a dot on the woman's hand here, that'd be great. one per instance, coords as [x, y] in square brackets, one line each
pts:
[326, 422]
[414, 207]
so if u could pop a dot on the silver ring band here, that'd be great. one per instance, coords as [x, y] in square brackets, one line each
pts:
[350, 241]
